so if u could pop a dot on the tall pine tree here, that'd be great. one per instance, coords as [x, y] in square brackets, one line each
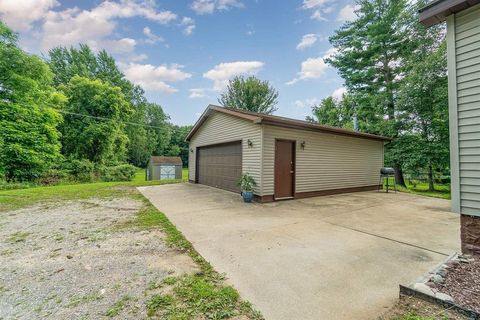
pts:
[370, 56]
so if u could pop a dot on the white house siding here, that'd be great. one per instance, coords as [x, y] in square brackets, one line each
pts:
[328, 161]
[221, 128]
[464, 91]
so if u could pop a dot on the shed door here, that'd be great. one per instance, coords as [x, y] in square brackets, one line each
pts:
[167, 172]
[220, 166]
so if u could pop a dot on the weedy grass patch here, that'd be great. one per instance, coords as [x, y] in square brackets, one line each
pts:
[19, 236]
[118, 306]
[197, 296]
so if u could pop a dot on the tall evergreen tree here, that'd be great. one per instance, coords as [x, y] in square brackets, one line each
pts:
[370, 56]
[423, 101]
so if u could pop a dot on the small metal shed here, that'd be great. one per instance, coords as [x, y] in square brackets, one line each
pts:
[164, 168]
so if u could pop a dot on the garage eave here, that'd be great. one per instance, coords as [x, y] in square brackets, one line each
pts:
[437, 11]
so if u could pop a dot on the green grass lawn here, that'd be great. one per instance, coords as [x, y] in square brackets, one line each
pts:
[18, 198]
[441, 190]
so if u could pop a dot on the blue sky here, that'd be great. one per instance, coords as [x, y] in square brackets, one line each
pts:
[183, 52]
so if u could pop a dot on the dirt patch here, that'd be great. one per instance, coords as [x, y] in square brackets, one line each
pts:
[407, 305]
[461, 281]
[69, 261]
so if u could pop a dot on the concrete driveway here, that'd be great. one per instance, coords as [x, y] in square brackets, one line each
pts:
[334, 257]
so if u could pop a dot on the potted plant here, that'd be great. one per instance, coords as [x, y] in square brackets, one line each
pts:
[247, 183]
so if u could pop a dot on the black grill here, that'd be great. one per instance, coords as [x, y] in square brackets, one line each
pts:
[386, 173]
[386, 170]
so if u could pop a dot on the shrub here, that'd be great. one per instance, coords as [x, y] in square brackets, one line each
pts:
[4, 185]
[81, 170]
[123, 172]
[53, 176]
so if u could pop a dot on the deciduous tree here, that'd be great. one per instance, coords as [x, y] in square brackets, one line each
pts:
[29, 137]
[250, 94]
[332, 112]
[94, 125]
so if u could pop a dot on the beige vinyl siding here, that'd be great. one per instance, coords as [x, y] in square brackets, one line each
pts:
[466, 31]
[328, 161]
[221, 128]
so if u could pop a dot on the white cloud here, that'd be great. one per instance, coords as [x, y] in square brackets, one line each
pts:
[189, 29]
[20, 14]
[312, 4]
[128, 9]
[209, 6]
[308, 40]
[329, 53]
[317, 15]
[187, 20]
[347, 13]
[188, 24]
[155, 78]
[307, 103]
[197, 93]
[320, 6]
[221, 73]
[138, 57]
[151, 37]
[203, 6]
[328, 9]
[74, 25]
[312, 68]
[124, 45]
[338, 93]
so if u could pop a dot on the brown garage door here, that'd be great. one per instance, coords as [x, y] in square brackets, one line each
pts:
[220, 166]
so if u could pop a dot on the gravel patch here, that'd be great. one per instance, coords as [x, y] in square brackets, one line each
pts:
[69, 261]
[461, 281]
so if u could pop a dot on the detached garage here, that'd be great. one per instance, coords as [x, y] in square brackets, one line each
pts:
[288, 158]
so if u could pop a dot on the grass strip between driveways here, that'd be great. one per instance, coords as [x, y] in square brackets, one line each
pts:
[202, 294]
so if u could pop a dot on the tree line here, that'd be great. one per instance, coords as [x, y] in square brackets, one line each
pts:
[75, 108]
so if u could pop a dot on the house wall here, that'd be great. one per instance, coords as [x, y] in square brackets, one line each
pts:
[221, 128]
[463, 39]
[328, 161]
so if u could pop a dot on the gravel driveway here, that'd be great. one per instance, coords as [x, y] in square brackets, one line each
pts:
[72, 261]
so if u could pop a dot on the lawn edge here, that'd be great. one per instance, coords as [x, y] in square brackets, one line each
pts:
[150, 217]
